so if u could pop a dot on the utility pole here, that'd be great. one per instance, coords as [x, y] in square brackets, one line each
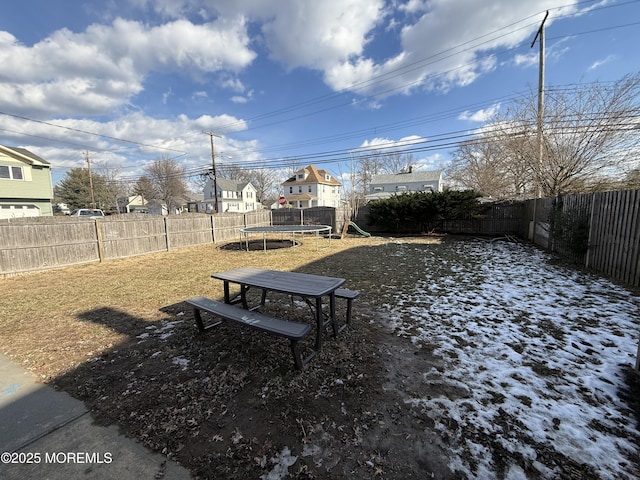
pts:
[540, 34]
[93, 198]
[213, 161]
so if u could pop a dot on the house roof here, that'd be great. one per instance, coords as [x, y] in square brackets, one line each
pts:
[24, 155]
[231, 185]
[313, 175]
[300, 196]
[425, 176]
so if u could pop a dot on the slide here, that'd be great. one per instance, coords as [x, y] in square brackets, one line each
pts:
[359, 230]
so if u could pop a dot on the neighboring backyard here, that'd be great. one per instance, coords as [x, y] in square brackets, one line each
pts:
[467, 358]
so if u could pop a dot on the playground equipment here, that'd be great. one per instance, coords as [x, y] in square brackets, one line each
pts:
[359, 230]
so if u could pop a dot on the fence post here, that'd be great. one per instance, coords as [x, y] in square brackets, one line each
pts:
[99, 239]
[532, 226]
[587, 257]
[213, 229]
[166, 232]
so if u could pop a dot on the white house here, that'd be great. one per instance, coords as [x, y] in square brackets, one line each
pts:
[384, 186]
[132, 204]
[233, 196]
[310, 187]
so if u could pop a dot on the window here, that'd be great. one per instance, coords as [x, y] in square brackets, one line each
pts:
[401, 188]
[299, 189]
[378, 189]
[290, 189]
[309, 188]
[11, 172]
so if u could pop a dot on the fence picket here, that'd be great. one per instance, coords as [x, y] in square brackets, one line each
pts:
[48, 242]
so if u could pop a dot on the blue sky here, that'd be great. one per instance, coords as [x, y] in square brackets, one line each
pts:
[130, 81]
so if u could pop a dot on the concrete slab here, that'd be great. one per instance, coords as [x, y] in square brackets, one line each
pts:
[83, 450]
[29, 410]
[48, 434]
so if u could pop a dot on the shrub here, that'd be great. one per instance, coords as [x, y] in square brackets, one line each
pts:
[423, 211]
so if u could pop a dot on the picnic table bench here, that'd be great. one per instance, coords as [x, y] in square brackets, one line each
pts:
[350, 296]
[309, 287]
[294, 331]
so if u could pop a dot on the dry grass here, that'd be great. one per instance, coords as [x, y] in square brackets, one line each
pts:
[41, 314]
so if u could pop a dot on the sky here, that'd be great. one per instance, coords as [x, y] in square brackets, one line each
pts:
[285, 82]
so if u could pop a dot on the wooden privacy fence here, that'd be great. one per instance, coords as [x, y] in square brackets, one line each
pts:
[334, 217]
[600, 231]
[31, 244]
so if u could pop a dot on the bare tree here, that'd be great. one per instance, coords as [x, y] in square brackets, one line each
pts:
[233, 171]
[395, 162]
[482, 166]
[114, 187]
[267, 183]
[262, 177]
[145, 188]
[292, 166]
[588, 131]
[168, 179]
[368, 164]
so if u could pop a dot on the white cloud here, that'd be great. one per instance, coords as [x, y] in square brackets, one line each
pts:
[445, 46]
[61, 141]
[103, 67]
[601, 62]
[527, 60]
[319, 34]
[481, 115]
[165, 96]
[379, 143]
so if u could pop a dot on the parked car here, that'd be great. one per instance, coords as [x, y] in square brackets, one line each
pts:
[87, 213]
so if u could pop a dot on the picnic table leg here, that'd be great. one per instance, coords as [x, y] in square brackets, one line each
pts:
[297, 359]
[332, 312]
[243, 296]
[198, 318]
[227, 299]
[319, 322]
[263, 299]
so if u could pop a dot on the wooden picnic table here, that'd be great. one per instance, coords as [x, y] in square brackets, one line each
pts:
[292, 283]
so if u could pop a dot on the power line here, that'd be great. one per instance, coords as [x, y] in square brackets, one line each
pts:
[50, 124]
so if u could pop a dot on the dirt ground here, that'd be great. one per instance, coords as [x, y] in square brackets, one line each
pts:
[238, 403]
[229, 404]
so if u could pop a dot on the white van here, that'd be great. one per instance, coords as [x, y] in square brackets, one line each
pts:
[87, 213]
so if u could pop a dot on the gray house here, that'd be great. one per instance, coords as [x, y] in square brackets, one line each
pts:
[384, 186]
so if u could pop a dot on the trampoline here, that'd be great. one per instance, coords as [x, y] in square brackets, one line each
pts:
[285, 229]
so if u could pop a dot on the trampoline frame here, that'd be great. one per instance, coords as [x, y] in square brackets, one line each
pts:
[283, 229]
